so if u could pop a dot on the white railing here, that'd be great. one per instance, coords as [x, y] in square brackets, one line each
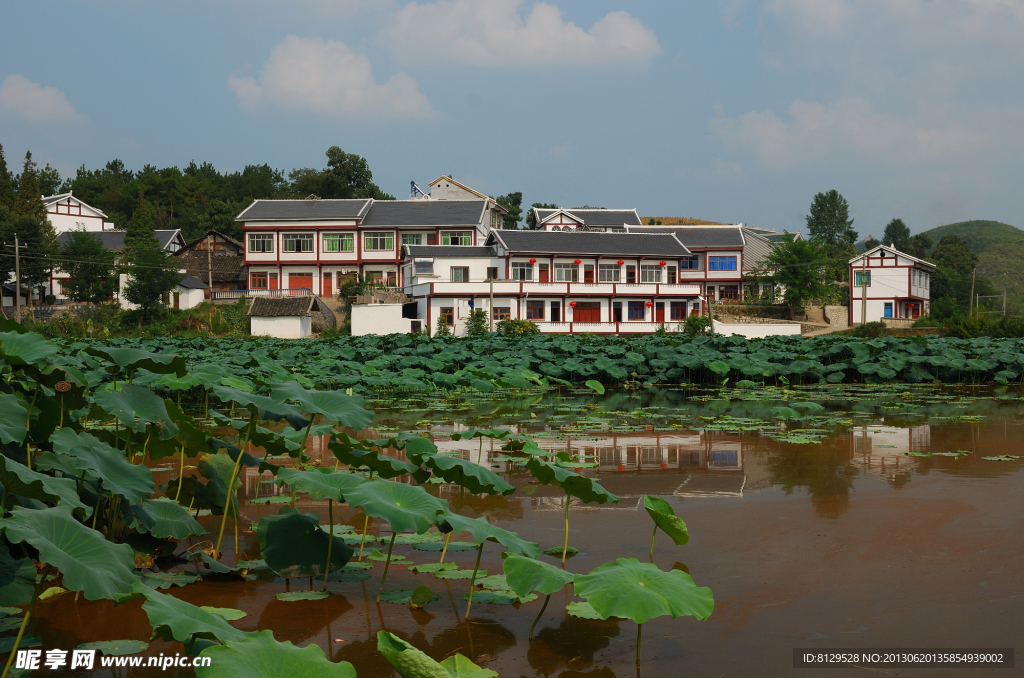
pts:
[249, 294]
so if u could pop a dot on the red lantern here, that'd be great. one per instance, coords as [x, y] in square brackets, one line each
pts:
[573, 304]
[662, 263]
[650, 303]
[577, 262]
[533, 261]
[620, 262]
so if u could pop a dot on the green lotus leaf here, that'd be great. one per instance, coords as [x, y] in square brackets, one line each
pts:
[132, 359]
[459, 666]
[495, 582]
[494, 433]
[433, 567]
[18, 479]
[583, 610]
[404, 507]
[421, 596]
[459, 574]
[261, 656]
[85, 452]
[320, 484]
[525, 575]
[174, 619]
[166, 580]
[137, 407]
[575, 484]
[407, 660]
[89, 563]
[439, 546]
[218, 469]
[809, 407]
[484, 531]
[229, 613]
[163, 518]
[116, 648]
[505, 597]
[473, 477]
[292, 596]
[17, 580]
[294, 545]
[379, 557]
[27, 349]
[12, 420]
[381, 464]
[596, 386]
[264, 407]
[639, 591]
[333, 406]
[783, 412]
[664, 517]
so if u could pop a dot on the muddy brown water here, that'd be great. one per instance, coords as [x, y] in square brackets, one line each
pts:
[847, 543]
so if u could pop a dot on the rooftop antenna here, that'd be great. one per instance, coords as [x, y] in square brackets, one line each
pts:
[414, 189]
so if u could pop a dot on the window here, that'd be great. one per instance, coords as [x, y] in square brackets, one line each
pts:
[721, 263]
[345, 276]
[888, 311]
[677, 310]
[392, 279]
[448, 313]
[501, 312]
[431, 238]
[460, 273]
[258, 281]
[690, 263]
[617, 311]
[522, 271]
[630, 274]
[542, 269]
[636, 310]
[412, 238]
[729, 292]
[862, 278]
[374, 277]
[379, 242]
[588, 273]
[927, 279]
[339, 242]
[535, 310]
[456, 238]
[297, 242]
[261, 242]
[492, 273]
[556, 311]
[671, 275]
[567, 273]
[650, 273]
[608, 273]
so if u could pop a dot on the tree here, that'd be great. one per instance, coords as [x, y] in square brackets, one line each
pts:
[799, 266]
[49, 180]
[476, 323]
[897, 235]
[141, 229]
[29, 224]
[91, 267]
[920, 245]
[347, 175]
[829, 225]
[530, 219]
[29, 200]
[870, 244]
[6, 182]
[150, 277]
[513, 202]
[954, 253]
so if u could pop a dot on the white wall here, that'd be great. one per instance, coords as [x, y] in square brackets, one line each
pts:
[190, 298]
[379, 319]
[755, 330]
[282, 327]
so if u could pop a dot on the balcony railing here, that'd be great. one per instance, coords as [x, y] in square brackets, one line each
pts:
[520, 288]
[249, 294]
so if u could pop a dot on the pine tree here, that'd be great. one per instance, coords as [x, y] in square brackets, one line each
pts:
[829, 225]
[897, 235]
[90, 266]
[29, 201]
[150, 277]
[6, 182]
[141, 229]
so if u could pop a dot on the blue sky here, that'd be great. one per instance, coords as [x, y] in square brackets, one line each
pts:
[733, 111]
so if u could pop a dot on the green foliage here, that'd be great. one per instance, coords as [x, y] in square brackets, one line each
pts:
[664, 517]
[476, 323]
[442, 330]
[513, 202]
[151, 276]
[697, 325]
[829, 225]
[629, 589]
[177, 620]
[871, 330]
[954, 253]
[294, 545]
[517, 327]
[920, 245]
[409, 662]
[7, 193]
[261, 656]
[483, 531]
[29, 201]
[404, 507]
[525, 575]
[91, 267]
[799, 265]
[897, 235]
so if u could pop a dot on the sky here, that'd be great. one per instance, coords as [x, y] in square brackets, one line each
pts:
[730, 110]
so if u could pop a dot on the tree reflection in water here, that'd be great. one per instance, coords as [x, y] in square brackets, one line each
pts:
[824, 470]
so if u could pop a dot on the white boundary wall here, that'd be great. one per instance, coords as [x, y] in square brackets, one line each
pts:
[755, 330]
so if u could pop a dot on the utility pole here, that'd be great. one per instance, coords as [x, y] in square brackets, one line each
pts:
[970, 299]
[1004, 302]
[490, 307]
[17, 278]
[864, 289]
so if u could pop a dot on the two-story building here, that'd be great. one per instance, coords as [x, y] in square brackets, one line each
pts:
[316, 244]
[68, 213]
[581, 219]
[887, 283]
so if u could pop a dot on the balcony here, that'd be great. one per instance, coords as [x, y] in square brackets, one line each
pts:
[632, 327]
[221, 295]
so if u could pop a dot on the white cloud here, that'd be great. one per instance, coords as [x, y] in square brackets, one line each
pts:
[814, 132]
[308, 74]
[496, 34]
[728, 170]
[34, 102]
[562, 152]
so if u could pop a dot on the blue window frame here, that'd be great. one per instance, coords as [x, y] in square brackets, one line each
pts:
[635, 310]
[888, 311]
[721, 263]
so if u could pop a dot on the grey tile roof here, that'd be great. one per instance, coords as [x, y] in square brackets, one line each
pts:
[756, 251]
[588, 243]
[595, 217]
[190, 282]
[273, 307]
[697, 236]
[425, 213]
[447, 251]
[114, 240]
[303, 210]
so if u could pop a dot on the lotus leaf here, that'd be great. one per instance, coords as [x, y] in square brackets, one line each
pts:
[292, 596]
[27, 349]
[474, 478]
[18, 480]
[13, 416]
[132, 359]
[404, 507]
[294, 545]
[452, 546]
[664, 516]
[264, 407]
[405, 597]
[85, 452]
[320, 484]
[261, 656]
[137, 407]
[409, 662]
[89, 563]
[583, 610]
[433, 567]
[639, 591]
[333, 406]
[459, 574]
[116, 648]
[505, 597]
[163, 518]
[165, 580]
[17, 580]
[380, 464]
[482, 530]
[174, 619]
[575, 484]
[525, 575]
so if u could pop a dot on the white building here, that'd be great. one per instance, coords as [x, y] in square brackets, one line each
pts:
[283, 317]
[890, 284]
[68, 213]
[170, 240]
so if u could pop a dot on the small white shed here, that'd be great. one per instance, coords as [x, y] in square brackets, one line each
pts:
[189, 293]
[283, 317]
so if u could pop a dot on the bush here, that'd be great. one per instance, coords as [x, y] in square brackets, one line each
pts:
[476, 324]
[696, 325]
[871, 330]
[442, 329]
[517, 327]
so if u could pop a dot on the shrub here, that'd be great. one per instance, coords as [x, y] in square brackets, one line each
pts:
[517, 327]
[871, 330]
[696, 325]
[442, 328]
[476, 324]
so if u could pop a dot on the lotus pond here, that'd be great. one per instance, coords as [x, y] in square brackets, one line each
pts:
[241, 503]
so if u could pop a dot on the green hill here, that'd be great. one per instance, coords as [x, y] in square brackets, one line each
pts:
[1000, 250]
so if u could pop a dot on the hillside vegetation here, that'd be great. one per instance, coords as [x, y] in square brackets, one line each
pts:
[1000, 250]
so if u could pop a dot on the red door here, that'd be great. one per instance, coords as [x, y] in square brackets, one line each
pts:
[544, 273]
[659, 312]
[327, 289]
[587, 312]
[273, 281]
[300, 281]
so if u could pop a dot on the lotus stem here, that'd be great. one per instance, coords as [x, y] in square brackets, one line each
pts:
[28, 420]
[480, 454]
[188, 648]
[24, 621]
[472, 580]
[366, 526]
[652, 542]
[387, 564]
[181, 474]
[458, 507]
[61, 410]
[330, 540]
[231, 490]
[99, 498]
[639, 631]
[565, 545]
[542, 608]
